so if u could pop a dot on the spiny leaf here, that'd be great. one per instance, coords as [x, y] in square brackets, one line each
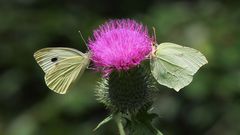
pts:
[140, 124]
[106, 120]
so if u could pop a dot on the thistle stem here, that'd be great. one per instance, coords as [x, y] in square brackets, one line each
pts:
[120, 125]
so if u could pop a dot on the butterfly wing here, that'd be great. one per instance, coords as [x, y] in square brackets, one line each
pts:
[174, 65]
[62, 66]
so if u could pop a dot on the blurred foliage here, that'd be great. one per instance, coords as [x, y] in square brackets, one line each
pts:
[209, 106]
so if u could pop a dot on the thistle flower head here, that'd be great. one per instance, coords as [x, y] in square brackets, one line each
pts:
[119, 45]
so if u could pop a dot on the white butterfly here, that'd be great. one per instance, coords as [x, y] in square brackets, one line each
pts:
[62, 66]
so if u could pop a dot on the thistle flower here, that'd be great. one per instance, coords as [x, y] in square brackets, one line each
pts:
[117, 49]
[119, 44]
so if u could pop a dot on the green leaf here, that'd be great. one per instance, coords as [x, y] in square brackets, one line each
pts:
[144, 128]
[140, 124]
[158, 132]
[106, 120]
[174, 66]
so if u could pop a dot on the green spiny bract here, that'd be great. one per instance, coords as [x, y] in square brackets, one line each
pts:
[126, 91]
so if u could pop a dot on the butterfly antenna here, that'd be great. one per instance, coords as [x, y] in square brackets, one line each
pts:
[154, 34]
[154, 43]
[83, 39]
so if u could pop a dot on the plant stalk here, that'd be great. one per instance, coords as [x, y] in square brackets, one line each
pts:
[120, 125]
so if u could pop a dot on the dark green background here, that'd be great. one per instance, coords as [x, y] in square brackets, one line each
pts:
[209, 106]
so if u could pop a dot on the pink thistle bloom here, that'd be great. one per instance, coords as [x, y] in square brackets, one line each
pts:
[119, 44]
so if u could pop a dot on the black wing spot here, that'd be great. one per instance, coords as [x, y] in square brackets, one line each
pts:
[54, 59]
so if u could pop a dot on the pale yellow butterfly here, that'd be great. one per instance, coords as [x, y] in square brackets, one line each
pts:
[62, 66]
[173, 65]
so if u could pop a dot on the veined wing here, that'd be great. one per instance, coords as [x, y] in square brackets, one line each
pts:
[61, 66]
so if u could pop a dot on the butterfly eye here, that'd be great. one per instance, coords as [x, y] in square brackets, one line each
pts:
[54, 59]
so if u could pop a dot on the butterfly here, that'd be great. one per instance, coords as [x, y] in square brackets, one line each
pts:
[62, 66]
[173, 65]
